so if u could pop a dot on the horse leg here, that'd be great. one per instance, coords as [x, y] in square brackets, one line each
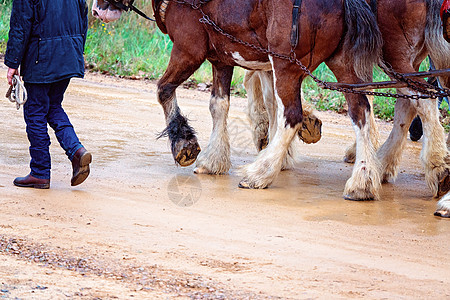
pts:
[365, 182]
[390, 152]
[262, 106]
[268, 92]
[350, 152]
[216, 158]
[262, 115]
[440, 55]
[256, 111]
[267, 83]
[434, 155]
[181, 135]
[269, 162]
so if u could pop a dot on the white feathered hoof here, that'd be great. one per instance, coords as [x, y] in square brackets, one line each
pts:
[259, 174]
[361, 190]
[443, 207]
[202, 170]
[365, 182]
[213, 164]
[359, 195]
[245, 183]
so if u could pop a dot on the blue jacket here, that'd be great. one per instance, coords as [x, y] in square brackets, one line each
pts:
[47, 38]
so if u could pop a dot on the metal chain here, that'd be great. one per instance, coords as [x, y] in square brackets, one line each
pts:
[418, 86]
[196, 6]
[423, 87]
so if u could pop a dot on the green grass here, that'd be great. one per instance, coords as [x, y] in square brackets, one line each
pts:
[5, 11]
[134, 46]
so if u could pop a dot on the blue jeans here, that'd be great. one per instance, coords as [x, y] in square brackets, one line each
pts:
[44, 106]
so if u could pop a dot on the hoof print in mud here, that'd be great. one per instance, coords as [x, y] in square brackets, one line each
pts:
[188, 154]
[311, 131]
[444, 183]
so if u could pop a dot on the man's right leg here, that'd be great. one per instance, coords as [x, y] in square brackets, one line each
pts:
[65, 133]
[35, 113]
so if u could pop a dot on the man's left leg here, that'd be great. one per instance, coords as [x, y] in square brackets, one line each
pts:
[65, 133]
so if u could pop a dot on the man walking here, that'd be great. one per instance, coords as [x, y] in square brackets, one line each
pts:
[46, 39]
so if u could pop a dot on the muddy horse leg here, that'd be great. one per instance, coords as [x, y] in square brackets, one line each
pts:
[391, 151]
[262, 110]
[434, 155]
[350, 152]
[181, 135]
[269, 162]
[440, 55]
[365, 182]
[256, 110]
[216, 158]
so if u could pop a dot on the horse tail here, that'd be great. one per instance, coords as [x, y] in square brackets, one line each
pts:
[438, 47]
[363, 39]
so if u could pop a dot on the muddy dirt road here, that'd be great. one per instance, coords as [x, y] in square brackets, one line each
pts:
[141, 227]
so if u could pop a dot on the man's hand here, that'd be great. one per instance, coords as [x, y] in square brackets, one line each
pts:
[10, 74]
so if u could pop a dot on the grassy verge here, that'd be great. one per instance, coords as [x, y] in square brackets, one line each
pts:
[133, 46]
[5, 11]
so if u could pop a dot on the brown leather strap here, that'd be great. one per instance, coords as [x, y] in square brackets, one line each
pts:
[296, 10]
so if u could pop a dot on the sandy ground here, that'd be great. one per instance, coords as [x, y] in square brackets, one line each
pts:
[141, 227]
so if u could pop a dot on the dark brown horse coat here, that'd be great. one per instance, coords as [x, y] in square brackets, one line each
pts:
[342, 33]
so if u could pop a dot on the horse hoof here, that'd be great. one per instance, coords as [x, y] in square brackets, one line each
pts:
[188, 154]
[311, 131]
[201, 170]
[262, 143]
[244, 185]
[444, 183]
[353, 197]
[442, 213]
[350, 159]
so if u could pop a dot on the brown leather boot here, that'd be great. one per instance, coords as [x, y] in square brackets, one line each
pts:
[33, 182]
[80, 166]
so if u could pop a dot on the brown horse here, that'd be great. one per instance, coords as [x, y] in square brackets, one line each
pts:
[411, 31]
[342, 33]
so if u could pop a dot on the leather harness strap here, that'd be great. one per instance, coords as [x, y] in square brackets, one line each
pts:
[130, 6]
[162, 7]
[295, 20]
